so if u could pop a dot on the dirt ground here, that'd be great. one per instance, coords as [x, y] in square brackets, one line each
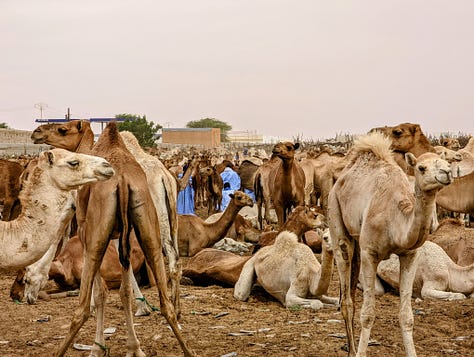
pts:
[214, 324]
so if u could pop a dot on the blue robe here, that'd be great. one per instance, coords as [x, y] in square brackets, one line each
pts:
[185, 201]
[231, 180]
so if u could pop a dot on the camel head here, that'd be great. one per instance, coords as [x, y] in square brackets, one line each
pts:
[69, 170]
[311, 217]
[450, 143]
[241, 199]
[448, 154]
[431, 171]
[65, 136]
[285, 150]
[404, 136]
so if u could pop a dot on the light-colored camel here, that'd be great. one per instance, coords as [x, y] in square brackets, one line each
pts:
[286, 182]
[459, 196]
[164, 192]
[373, 212]
[290, 272]
[436, 277]
[456, 240]
[448, 154]
[78, 136]
[194, 234]
[109, 210]
[450, 143]
[47, 204]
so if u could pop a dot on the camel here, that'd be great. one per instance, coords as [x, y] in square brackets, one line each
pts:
[262, 190]
[458, 197]
[77, 135]
[448, 154]
[213, 188]
[107, 210]
[194, 234]
[456, 240]
[10, 173]
[242, 229]
[436, 277]
[47, 204]
[246, 170]
[300, 220]
[372, 213]
[285, 183]
[450, 143]
[289, 271]
[214, 266]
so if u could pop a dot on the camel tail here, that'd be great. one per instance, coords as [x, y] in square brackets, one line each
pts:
[123, 195]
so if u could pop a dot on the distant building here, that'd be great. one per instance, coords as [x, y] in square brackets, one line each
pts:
[245, 137]
[206, 137]
[15, 142]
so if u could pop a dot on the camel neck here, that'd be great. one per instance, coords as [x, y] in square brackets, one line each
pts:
[222, 225]
[424, 208]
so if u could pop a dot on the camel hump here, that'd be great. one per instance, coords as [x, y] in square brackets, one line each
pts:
[376, 143]
[253, 160]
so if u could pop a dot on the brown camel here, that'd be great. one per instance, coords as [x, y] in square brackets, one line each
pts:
[213, 188]
[10, 173]
[105, 211]
[214, 266]
[262, 190]
[286, 182]
[246, 170]
[47, 204]
[77, 135]
[289, 271]
[300, 220]
[373, 213]
[242, 229]
[456, 240]
[194, 234]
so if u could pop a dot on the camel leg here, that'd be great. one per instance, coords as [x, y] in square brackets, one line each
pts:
[408, 266]
[243, 286]
[142, 307]
[81, 314]
[133, 345]
[367, 312]
[99, 296]
[431, 291]
[343, 247]
[298, 289]
[146, 231]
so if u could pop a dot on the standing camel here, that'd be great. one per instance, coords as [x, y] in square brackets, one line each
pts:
[373, 212]
[107, 211]
[77, 135]
[47, 205]
[285, 182]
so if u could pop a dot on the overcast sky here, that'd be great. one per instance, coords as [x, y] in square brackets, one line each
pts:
[283, 68]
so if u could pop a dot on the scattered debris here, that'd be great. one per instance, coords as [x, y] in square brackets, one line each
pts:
[220, 314]
[110, 330]
[44, 319]
[231, 354]
[81, 347]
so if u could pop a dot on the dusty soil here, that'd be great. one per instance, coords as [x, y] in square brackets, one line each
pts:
[442, 328]
[216, 325]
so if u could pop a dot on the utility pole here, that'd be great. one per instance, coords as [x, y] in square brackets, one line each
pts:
[41, 106]
[68, 115]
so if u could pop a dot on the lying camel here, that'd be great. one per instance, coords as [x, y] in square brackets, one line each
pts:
[289, 271]
[214, 266]
[195, 234]
[436, 277]
[242, 229]
[300, 220]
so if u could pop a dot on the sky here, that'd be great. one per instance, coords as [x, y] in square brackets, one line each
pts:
[285, 68]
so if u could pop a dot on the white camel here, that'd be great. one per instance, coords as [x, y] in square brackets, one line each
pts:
[373, 212]
[47, 204]
[436, 277]
[290, 272]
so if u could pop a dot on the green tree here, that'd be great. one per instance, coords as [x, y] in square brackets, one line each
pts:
[144, 130]
[3, 126]
[211, 123]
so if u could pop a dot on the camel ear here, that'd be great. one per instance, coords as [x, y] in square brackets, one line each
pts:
[79, 125]
[297, 145]
[410, 159]
[415, 128]
[50, 157]
[231, 196]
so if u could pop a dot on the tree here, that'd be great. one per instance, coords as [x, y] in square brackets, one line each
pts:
[3, 126]
[211, 123]
[144, 130]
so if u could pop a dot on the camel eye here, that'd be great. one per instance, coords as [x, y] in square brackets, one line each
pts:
[422, 169]
[73, 163]
[62, 131]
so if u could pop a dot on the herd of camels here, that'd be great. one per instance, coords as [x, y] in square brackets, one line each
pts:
[371, 212]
